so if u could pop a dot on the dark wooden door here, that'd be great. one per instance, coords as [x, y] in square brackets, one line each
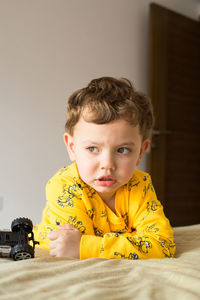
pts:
[174, 87]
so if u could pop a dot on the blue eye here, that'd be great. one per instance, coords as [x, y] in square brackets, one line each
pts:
[124, 150]
[93, 149]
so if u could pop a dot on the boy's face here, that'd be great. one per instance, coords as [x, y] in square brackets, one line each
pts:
[106, 154]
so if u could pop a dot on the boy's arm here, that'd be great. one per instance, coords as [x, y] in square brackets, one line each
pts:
[64, 206]
[141, 244]
[152, 236]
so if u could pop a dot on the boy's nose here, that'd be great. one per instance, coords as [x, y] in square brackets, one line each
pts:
[107, 162]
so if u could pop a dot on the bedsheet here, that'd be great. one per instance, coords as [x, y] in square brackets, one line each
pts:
[45, 277]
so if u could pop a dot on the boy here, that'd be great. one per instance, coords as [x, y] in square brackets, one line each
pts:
[101, 206]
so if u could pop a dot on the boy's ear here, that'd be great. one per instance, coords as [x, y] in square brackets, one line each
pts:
[144, 147]
[69, 142]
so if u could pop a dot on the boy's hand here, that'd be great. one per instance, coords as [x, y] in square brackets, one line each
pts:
[65, 242]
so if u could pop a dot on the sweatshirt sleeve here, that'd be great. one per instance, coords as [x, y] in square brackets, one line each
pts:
[151, 235]
[64, 205]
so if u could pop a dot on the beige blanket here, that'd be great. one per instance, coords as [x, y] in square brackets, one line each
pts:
[54, 278]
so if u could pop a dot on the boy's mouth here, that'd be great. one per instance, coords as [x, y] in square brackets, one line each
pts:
[105, 181]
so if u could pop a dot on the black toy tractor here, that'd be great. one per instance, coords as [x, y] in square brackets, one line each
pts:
[18, 243]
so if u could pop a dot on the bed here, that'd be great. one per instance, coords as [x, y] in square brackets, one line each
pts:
[45, 277]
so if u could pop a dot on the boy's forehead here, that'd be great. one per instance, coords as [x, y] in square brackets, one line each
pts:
[113, 130]
[119, 123]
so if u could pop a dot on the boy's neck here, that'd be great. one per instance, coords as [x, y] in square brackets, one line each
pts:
[110, 202]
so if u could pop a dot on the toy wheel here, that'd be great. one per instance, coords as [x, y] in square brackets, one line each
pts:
[24, 223]
[20, 252]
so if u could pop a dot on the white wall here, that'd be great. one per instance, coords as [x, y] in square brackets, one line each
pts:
[50, 48]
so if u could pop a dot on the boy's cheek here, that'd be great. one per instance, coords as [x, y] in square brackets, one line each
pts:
[86, 168]
[126, 172]
[86, 174]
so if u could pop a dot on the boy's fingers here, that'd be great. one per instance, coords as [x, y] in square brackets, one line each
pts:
[52, 245]
[52, 253]
[53, 235]
[67, 227]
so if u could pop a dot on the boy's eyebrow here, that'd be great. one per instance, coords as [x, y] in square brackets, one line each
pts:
[90, 141]
[127, 144]
[119, 145]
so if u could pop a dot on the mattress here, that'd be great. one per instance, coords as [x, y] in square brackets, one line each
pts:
[46, 277]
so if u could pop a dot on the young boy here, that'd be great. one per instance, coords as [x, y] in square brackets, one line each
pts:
[101, 206]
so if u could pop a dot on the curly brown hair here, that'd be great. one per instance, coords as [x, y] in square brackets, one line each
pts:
[107, 99]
